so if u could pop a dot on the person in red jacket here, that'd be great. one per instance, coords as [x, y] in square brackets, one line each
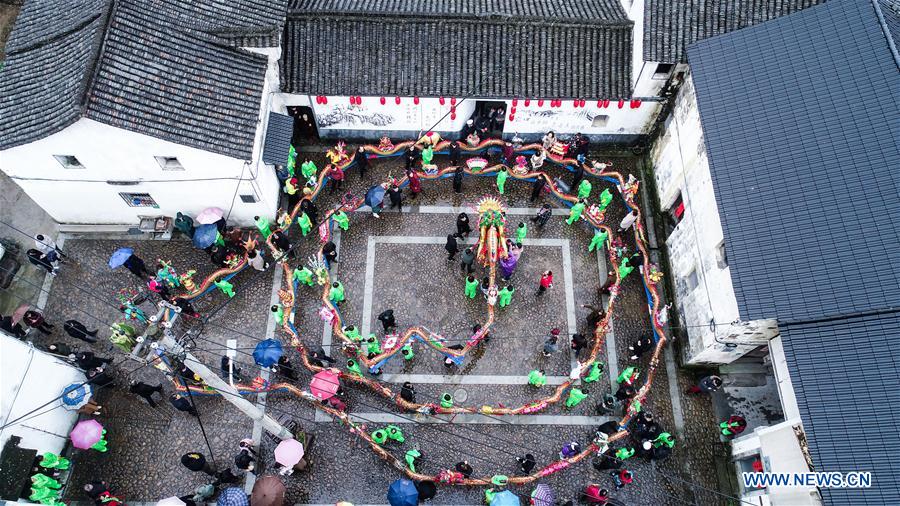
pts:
[546, 282]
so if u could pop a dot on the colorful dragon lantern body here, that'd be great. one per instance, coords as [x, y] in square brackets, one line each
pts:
[491, 245]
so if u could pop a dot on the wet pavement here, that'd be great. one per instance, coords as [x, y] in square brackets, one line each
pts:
[412, 276]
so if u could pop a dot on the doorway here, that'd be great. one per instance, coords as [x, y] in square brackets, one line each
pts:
[492, 113]
[305, 130]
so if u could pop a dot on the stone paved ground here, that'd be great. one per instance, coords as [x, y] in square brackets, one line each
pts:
[422, 287]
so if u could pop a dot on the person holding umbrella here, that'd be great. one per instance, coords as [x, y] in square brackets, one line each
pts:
[375, 199]
[35, 320]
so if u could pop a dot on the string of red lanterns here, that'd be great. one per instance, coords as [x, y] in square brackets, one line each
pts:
[576, 103]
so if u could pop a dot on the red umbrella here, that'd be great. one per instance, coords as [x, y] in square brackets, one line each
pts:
[324, 385]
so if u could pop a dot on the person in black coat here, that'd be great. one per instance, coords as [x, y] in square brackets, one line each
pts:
[14, 329]
[579, 342]
[412, 158]
[281, 241]
[463, 229]
[464, 468]
[137, 266]
[451, 247]
[100, 377]
[311, 210]
[457, 179]
[387, 320]
[39, 259]
[536, 188]
[454, 153]
[396, 197]
[329, 251]
[577, 176]
[183, 404]
[77, 330]
[639, 347]
[361, 161]
[87, 360]
[526, 463]
[408, 392]
[146, 391]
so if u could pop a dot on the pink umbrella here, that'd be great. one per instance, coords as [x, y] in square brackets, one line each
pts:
[19, 313]
[289, 452]
[86, 434]
[324, 385]
[209, 215]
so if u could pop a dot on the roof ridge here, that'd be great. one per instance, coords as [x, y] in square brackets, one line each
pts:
[466, 17]
[56, 36]
[94, 63]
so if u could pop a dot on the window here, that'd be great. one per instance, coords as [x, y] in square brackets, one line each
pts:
[169, 163]
[662, 70]
[675, 212]
[68, 161]
[139, 200]
[692, 280]
[248, 199]
[600, 120]
[721, 255]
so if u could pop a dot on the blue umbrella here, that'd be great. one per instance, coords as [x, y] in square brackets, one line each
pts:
[506, 498]
[119, 257]
[374, 196]
[205, 235]
[268, 352]
[76, 395]
[403, 492]
[233, 496]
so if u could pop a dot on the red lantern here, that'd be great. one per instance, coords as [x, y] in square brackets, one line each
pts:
[621, 103]
[583, 102]
[452, 115]
[606, 103]
[324, 99]
[383, 100]
[512, 117]
[599, 104]
[416, 100]
[358, 100]
[452, 108]
[453, 101]
[515, 102]
[441, 100]
[527, 102]
[637, 103]
[352, 100]
[540, 102]
[397, 100]
[512, 110]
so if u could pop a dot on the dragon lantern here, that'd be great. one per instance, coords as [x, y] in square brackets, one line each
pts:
[491, 244]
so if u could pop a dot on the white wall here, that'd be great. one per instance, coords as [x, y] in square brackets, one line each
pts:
[30, 378]
[108, 153]
[680, 165]
[371, 118]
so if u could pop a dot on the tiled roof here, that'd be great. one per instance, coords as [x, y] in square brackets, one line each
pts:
[583, 11]
[671, 25]
[846, 377]
[40, 21]
[803, 149]
[279, 132]
[132, 67]
[246, 23]
[457, 48]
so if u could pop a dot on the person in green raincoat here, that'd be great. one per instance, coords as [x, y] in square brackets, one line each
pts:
[521, 232]
[471, 287]
[353, 367]
[624, 268]
[41, 495]
[395, 434]
[336, 293]
[279, 313]
[226, 287]
[342, 220]
[407, 352]
[624, 453]
[122, 336]
[43, 481]
[305, 223]
[502, 174]
[411, 457]
[584, 189]
[576, 395]
[50, 460]
[304, 275]
[599, 240]
[504, 296]
[605, 198]
[291, 161]
[379, 436]
[373, 347]
[308, 169]
[427, 155]
[628, 376]
[594, 374]
[537, 378]
[446, 400]
[575, 212]
[351, 332]
[664, 439]
[262, 224]
[100, 446]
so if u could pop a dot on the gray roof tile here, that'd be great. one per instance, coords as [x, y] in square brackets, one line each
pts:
[458, 48]
[154, 75]
[279, 132]
[671, 25]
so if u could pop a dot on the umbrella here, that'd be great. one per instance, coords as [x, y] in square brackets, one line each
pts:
[19, 313]
[120, 257]
[209, 215]
[205, 235]
[86, 434]
[403, 492]
[374, 196]
[289, 452]
[543, 495]
[324, 385]
[506, 498]
[232, 496]
[267, 491]
[170, 501]
[267, 352]
[76, 395]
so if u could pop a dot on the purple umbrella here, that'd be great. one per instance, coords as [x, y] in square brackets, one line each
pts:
[86, 434]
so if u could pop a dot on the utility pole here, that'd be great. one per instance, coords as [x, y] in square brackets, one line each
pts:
[228, 392]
